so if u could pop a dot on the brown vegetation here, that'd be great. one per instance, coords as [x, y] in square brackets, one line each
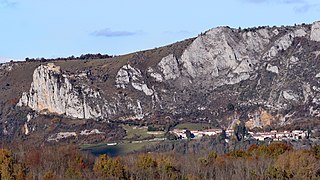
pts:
[274, 161]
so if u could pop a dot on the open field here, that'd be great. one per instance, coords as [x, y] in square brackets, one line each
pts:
[193, 126]
[139, 133]
[115, 150]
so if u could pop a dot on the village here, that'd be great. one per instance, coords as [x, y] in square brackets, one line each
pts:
[261, 136]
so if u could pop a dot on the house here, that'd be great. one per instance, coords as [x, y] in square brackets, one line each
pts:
[261, 136]
[197, 133]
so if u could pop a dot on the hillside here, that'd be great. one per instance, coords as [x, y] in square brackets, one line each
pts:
[266, 76]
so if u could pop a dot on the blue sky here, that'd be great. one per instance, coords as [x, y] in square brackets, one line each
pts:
[60, 28]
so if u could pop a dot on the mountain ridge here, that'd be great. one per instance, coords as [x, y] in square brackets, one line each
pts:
[265, 76]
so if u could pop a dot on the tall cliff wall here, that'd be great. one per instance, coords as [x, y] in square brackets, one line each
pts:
[52, 92]
[274, 69]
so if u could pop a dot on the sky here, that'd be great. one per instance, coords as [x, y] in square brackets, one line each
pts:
[61, 28]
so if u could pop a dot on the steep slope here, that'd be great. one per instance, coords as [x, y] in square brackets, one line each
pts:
[264, 76]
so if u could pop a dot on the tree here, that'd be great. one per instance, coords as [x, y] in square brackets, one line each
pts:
[222, 136]
[75, 168]
[297, 165]
[189, 135]
[212, 156]
[171, 136]
[109, 168]
[147, 167]
[49, 175]
[9, 168]
[273, 150]
[146, 162]
[6, 164]
[230, 107]
[316, 151]
[240, 131]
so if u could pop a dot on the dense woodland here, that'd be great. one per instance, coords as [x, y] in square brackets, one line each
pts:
[267, 161]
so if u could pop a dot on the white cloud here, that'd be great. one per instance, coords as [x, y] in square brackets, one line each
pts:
[107, 32]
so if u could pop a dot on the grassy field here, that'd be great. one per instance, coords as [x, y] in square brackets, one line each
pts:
[116, 150]
[138, 133]
[193, 126]
[128, 145]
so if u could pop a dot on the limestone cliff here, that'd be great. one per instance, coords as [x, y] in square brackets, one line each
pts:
[52, 92]
[220, 73]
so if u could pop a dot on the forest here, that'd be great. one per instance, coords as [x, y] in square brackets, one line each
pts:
[277, 160]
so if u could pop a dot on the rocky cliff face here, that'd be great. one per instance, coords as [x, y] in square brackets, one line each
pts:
[52, 92]
[265, 75]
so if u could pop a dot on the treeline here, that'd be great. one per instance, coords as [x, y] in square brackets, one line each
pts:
[273, 161]
[81, 57]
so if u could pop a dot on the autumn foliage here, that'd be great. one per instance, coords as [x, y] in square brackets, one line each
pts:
[273, 161]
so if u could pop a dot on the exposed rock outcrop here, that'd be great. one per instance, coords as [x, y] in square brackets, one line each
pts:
[127, 75]
[169, 67]
[52, 92]
[223, 71]
[315, 31]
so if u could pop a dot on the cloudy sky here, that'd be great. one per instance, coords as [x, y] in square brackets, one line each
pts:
[59, 28]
